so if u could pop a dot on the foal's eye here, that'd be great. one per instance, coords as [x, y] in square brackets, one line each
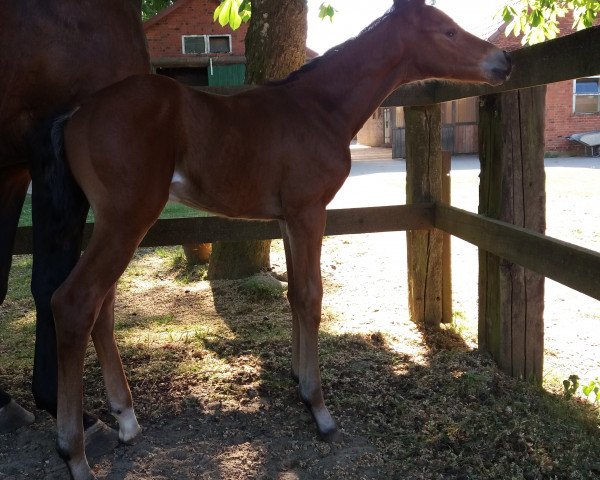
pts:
[451, 33]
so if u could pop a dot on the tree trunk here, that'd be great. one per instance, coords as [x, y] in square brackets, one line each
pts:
[275, 47]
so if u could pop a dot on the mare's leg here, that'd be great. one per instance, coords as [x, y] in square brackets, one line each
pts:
[305, 232]
[290, 295]
[119, 395]
[59, 209]
[13, 187]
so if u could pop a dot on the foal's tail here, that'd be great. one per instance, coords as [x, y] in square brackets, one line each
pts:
[55, 195]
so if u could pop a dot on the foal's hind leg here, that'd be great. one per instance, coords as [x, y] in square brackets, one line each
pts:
[305, 232]
[76, 306]
[119, 395]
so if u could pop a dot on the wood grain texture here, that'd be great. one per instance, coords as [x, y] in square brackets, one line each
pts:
[424, 184]
[512, 189]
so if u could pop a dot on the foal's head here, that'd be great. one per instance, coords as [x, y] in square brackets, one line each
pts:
[445, 50]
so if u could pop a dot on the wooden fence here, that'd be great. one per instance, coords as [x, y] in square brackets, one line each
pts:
[427, 216]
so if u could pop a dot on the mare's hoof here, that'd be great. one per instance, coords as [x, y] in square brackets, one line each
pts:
[100, 439]
[330, 436]
[13, 416]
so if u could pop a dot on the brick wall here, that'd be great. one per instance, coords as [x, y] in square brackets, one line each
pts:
[188, 17]
[562, 122]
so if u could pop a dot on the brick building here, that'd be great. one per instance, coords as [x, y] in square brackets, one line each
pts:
[186, 44]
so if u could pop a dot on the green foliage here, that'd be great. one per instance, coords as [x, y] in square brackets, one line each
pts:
[234, 12]
[152, 7]
[326, 11]
[572, 384]
[538, 20]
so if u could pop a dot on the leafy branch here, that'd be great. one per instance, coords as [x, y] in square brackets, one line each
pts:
[538, 20]
[235, 12]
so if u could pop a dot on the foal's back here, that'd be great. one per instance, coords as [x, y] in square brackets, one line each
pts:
[251, 155]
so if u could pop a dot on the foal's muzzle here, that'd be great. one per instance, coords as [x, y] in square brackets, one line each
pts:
[499, 67]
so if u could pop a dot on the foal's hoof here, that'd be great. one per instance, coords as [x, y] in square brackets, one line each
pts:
[13, 416]
[100, 439]
[330, 436]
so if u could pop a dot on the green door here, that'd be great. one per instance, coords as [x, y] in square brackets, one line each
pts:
[226, 75]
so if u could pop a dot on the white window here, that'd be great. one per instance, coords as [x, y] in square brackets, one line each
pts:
[193, 44]
[203, 44]
[586, 95]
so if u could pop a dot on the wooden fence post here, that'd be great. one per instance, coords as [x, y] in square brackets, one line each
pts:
[424, 184]
[446, 242]
[512, 189]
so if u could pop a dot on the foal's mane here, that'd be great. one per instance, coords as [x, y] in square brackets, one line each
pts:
[316, 62]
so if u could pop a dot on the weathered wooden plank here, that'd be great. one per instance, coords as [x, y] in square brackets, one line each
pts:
[424, 184]
[211, 229]
[573, 266]
[565, 58]
[446, 243]
[512, 189]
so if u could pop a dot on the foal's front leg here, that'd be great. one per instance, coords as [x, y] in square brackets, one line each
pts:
[305, 234]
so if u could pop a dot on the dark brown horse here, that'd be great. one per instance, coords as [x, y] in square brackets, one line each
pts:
[54, 54]
[276, 152]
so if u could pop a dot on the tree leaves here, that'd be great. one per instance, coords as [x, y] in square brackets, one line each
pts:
[326, 10]
[538, 20]
[233, 12]
[152, 7]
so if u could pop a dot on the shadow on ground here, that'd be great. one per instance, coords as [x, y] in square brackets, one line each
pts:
[220, 404]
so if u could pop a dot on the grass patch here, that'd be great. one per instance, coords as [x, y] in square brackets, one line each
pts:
[171, 210]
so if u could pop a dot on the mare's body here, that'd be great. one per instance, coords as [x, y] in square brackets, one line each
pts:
[54, 54]
[276, 152]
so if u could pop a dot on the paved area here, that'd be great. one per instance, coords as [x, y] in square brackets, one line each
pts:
[376, 179]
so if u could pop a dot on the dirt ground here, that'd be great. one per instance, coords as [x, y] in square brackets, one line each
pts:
[213, 394]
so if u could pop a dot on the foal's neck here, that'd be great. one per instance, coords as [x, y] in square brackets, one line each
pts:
[355, 79]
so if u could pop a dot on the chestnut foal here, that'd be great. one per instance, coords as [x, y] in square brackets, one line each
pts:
[276, 152]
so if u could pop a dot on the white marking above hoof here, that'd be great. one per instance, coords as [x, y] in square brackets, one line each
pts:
[129, 428]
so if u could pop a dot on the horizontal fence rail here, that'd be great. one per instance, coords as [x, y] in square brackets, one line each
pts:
[571, 265]
[178, 231]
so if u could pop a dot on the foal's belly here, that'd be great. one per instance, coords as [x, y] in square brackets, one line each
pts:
[224, 200]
